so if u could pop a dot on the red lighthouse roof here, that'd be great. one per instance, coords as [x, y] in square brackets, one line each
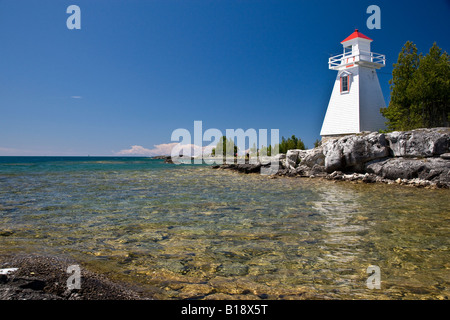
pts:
[354, 35]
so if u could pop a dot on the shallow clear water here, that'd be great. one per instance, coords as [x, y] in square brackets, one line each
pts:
[194, 232]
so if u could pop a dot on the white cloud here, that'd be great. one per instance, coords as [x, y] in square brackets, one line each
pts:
[160, 149]
[76, 97]
[165, 149]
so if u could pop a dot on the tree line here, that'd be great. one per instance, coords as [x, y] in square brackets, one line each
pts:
[226, 146]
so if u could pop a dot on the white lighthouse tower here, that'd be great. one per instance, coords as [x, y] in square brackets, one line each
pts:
[357, 97]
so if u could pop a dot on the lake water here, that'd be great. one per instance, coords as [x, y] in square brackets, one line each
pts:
[189, 231]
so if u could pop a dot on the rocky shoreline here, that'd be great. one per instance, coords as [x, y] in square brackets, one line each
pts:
[418, 158]
[37, 277]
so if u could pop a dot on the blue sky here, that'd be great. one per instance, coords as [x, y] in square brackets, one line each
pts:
[137, 70]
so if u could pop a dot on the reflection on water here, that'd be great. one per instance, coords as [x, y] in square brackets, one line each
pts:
[194, 232]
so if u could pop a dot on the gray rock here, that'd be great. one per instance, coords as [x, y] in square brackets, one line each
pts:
[282, 172]
[248, 168]
[292, 157]
[418, 157]
[318, 170]
[431, 169]
[352, 152]
[333, 156]
[308, 157]
[306, 171]
[45, 278]
[313, 157]
[369, 178]
[303, 171]
[335, 175]
[419, 142]
[375, 166]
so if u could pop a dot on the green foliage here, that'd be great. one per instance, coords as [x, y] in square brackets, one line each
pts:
[266, 151]
[285, 145]
[420, 90]
[291, 143]
[225, 147]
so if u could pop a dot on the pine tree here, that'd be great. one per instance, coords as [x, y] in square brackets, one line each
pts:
[430, 89]
[398, 113]
[420, 90]
[291, 143]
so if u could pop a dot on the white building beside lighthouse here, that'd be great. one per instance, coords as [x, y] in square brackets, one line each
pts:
[357, 97]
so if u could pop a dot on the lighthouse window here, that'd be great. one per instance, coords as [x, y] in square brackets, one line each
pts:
[344, 84]
[347, 50]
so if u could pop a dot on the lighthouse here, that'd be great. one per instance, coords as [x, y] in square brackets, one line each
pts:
[356, 99]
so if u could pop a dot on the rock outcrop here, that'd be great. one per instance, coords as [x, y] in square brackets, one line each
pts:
[308, 158]
[419, 142]
[419, 157]
[436, 170]
[350, 153]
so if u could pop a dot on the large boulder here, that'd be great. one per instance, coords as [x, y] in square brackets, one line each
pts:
[419, 142]
[310, 158]
[292, 158]
[333, 156]
[352, 152]
[432, 169]
[313, 157]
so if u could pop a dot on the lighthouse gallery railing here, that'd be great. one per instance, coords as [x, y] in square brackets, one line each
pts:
[350, 57]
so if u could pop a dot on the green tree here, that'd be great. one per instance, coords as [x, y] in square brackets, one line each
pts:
[225, 147]
[398, 113]
[420, 89]
[430, 89]
[290, 143]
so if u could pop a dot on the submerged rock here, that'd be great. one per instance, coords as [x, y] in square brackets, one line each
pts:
[232, 269]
